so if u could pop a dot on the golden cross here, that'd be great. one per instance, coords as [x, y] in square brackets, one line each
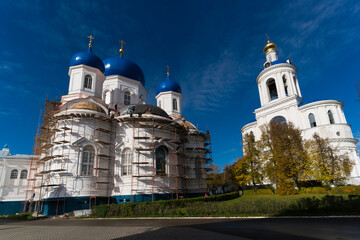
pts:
[268, 38]
[168, 70]
[91, 38]
[122, 47]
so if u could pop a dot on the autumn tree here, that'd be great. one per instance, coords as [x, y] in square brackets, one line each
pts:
[285, 156]
[328, 166]
[213, 177]
[241, 171]
[248, 170]
[228, 175]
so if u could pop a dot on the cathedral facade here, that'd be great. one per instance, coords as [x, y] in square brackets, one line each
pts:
[103, 144]
[281, 100]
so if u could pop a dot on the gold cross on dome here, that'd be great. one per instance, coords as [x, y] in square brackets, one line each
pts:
[121, 48]
[168, 70]
[91, 38]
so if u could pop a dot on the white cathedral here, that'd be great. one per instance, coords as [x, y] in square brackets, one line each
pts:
[103, 144]
[281, 100]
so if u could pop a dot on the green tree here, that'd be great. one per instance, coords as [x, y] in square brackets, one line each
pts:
[328, 166]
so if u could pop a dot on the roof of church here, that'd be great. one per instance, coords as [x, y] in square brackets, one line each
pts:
[123, 67]
[87, 105]
[149, 109]
[168, 85]
[88, 59]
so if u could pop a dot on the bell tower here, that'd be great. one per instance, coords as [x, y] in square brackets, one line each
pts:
[278, 80]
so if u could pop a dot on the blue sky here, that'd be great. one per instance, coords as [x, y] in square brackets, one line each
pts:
[214, 49]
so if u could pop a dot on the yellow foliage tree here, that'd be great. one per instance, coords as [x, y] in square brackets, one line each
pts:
[327, 164]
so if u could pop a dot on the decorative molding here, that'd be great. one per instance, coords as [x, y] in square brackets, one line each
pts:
[280, 65]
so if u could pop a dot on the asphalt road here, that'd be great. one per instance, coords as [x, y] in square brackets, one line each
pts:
[223, 229]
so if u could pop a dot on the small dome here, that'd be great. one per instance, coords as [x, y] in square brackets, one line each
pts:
[123, 67]
[168, 85]
[270, 46]
[88, 105]
[88, 59]
[149, 109]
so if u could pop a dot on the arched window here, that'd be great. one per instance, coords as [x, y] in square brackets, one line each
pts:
[160, 156]
[331, 117]
[107, 97]
[175, 106]
[312, 120]
[126, 166]
[279, 119]
[127, 98]
[87, 161]
[14, 174]
[295, 84]
[285, 85]
[251, 133]
[88, 82]
[23, 174]
[272, 89]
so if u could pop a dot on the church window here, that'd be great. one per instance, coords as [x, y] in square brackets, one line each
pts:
[251, 133]
[278, 119]
[88, 82]
[312, 120]
[175, 106]
[127, 163]
[87, 160]
[159, 104]
[14, 174]
[107, 97]
[160, 156]
[331, 117]
[127, 98]
[272, 89]
[285, 86]
[23, 174]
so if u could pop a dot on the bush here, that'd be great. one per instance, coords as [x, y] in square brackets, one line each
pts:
[21, 216]
[158, 208]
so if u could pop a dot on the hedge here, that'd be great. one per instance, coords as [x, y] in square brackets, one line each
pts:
[156, 208]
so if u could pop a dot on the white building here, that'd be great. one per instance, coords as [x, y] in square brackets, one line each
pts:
[103, 144]
[281, 100]
[14, 171]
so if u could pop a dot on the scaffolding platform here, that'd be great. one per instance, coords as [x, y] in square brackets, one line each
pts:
[103, 130]
[144, 149]
[141, 137]
[102, 142]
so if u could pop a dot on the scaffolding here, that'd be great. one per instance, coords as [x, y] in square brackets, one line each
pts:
[102, 171]
[42, 142]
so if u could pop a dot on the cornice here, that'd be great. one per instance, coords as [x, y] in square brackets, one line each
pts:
[276, 103]
[280, 65]
[322, 102]
[351, 140]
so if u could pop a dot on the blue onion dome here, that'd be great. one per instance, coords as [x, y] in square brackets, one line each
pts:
[168, 85]
[123, 67]
[88, 59]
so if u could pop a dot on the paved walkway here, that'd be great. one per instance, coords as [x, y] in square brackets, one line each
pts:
[219, 229]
